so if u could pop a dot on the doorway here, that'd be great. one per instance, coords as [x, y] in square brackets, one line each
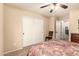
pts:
[32, 31]
[62, 30]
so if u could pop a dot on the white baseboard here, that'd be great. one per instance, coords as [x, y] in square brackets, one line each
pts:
[12, 51]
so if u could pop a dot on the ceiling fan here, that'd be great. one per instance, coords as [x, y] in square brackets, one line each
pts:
[54, 5]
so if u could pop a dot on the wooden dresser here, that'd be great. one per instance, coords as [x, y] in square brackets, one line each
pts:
[75, 37]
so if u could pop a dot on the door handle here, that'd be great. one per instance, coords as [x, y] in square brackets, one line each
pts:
[23, 33]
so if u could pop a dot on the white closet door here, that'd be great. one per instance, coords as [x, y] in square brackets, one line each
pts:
[38, 30]
[33, 31]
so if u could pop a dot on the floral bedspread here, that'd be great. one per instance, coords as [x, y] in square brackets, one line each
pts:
[54, 48]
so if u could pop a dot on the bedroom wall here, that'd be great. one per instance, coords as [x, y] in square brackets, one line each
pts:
[1, 29]
[13, 26]
[52, 25]
[74, 16]
[73, 21]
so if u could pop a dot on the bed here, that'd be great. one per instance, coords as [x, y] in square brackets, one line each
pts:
[54, 48]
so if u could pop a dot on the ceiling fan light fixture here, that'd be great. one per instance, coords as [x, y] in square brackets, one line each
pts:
[57, 6]
[51, 7]
[54, 6]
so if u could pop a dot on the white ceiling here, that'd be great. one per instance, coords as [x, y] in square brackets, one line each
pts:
[35, 7]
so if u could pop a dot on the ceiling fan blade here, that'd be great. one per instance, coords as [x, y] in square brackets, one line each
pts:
[44, 6]
[51, 10]
[54, 4]
[63, 6]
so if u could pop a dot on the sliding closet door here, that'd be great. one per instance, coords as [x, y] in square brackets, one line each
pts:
[38, 31]
[32, 31]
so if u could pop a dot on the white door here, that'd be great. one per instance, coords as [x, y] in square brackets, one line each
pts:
[32, 30]
[58, 30]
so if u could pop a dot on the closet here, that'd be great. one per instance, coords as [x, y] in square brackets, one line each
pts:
[32, 30]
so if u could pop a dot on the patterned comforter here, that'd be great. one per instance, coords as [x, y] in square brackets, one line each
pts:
[54, 48]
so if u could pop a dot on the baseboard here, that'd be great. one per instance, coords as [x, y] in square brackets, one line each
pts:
[12, 51]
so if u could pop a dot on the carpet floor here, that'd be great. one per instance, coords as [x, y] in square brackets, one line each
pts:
[21, 52]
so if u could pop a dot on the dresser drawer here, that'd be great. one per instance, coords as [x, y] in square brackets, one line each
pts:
[75, 37]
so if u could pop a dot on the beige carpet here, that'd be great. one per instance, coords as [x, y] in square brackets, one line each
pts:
[22, 52]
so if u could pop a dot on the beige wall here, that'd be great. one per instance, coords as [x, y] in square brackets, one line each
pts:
[74, 16]
[73, 21]
[13, 26]
[1, 29]
[51, 23]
